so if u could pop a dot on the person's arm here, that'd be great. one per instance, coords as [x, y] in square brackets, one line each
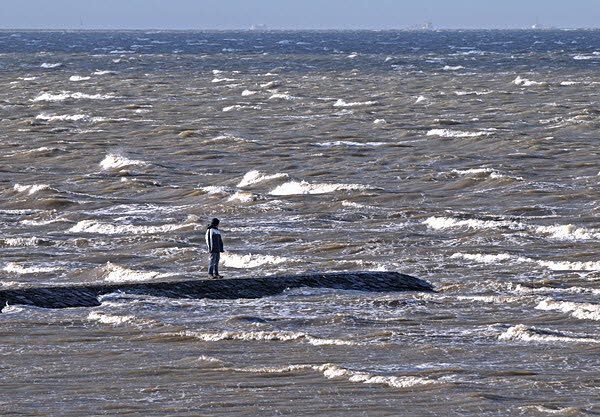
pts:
[209, 240]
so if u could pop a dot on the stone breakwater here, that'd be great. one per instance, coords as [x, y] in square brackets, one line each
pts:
[87, 295]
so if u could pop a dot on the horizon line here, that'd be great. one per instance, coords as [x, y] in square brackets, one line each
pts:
[249, 29]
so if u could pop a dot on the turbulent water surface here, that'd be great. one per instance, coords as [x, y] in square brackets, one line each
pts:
[469, 159]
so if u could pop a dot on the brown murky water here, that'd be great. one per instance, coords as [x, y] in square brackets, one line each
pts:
[469, 159]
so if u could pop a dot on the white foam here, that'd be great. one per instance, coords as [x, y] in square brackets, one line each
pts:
[332, 371]
[16, 242]
[217, 189]
[568, 232]
[105, 72]
[49, 65]
[585, 57]
[571, 266]
[244, 197]
[342, 103]
[349, 144]
[256, 177]
[520, 332]
[25, 270]
[246, 93]
[524, 82]
[440, 223]
[30, 189]
[486, 259]
[552, 265]
[71, 118]
[335, 371]
[268, 85]
[492, 173]
[221, 80]
[67, 95]
[117, 273]
[110, 318]
[282, 96]
[239, 107]
[557, 232]
[92, 226]
[115, 160]
[583, 311]
[303, 187]
[453, 68]
[274, 336]
[421, 99]
[447, 133]
[569, 290]
[76, 78]
[379, 121]
[234, 260]
[472, 93]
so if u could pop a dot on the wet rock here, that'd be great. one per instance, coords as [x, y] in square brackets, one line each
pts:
[87, 295]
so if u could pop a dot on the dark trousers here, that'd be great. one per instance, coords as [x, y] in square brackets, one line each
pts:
[213, 263]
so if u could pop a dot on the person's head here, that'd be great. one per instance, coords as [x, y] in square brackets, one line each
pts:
[214, 223]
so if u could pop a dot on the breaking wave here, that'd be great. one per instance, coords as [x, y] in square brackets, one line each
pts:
[303, 187]
[273, 336]
[118, 160]
[256, 177]
[447, 133]
[67, 95]
[522, 333]
[583, 311]
[234, 260]
[559, 232]
[92, 226]
[342, 103]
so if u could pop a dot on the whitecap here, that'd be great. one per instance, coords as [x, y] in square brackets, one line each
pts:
[447, 133]
[117, 273]
[67, 95]
[234, 260]
[76, 78]
[248, 93]
[349, 144]
[118, 160]
[110, 318]
[92, 226]
[221, 80]
[522, 333]
[524, 82]
[18, 269]
[334, 371]
[15, 242]
[255, 177]
[453, 68]
[379, 122]
[30, 189]
[273, 336]
[239, 107]
[303, 187]
[342, 103]
[49, 65]
[244, 197]
[282, 97]
[421, 99]
[583, 311]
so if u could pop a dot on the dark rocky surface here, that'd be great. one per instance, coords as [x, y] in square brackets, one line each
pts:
[87, 295]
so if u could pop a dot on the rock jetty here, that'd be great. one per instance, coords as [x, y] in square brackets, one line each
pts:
[87, 295]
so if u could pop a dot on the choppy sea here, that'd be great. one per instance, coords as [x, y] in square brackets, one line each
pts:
[467, 158]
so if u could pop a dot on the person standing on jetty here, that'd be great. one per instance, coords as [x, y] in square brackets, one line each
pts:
[215, 247]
